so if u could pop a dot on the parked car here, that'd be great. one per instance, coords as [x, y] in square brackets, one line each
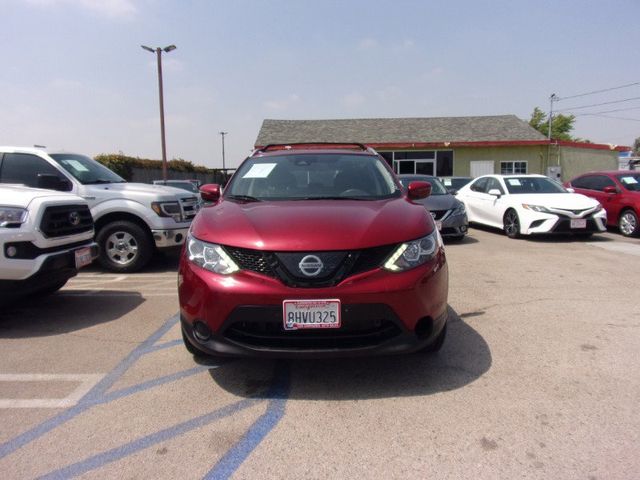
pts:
[310, 252]
[446, 210]
[131, 219]
[618, 192]
[453, 184]
[45, 237]
[530, 204]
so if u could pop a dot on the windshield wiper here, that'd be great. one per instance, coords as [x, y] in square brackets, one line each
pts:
[243, 198]
[100, 181]
[332, 197]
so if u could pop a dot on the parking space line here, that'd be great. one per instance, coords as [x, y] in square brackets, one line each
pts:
[87, 382]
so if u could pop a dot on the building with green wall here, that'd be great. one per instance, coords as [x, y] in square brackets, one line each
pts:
[451, 146]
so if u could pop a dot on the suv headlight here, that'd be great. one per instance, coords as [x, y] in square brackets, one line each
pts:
[536, 208]
[412, 254]
[168, 209]
[210, 256]
[12, 216]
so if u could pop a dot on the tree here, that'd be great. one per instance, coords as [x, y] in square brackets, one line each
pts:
[561, 125]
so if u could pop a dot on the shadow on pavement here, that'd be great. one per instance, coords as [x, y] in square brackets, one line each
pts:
[463, 359]
[58, 313]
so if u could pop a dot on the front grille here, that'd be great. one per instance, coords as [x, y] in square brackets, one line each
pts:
[285, 265]
[438, 214]
[578, 213]
[365, 325]
[189, 207]
[65, 220]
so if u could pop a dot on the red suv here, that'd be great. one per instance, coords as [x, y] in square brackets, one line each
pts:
[619, 193]
[313, 250]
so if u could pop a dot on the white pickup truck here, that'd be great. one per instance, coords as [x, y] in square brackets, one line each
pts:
[45, 237]
[131, 219]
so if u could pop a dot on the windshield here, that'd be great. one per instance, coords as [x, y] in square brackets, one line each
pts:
[85, 169]
[518, 185]
[631, 181]
[436, 185]
[308, 176]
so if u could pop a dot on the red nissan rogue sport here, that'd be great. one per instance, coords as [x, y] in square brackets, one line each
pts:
[313, 250]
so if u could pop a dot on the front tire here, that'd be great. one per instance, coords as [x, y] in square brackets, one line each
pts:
[628, 224]
[511, 224]
[124, 247]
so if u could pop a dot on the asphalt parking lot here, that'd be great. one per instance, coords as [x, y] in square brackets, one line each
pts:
[538, 378]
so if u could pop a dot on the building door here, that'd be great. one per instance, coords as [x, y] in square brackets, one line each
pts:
[478, 168]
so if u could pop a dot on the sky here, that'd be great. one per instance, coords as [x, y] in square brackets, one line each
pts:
[73, 75]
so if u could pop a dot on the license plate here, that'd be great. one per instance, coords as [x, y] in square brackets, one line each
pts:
[83, 257]
[300, 314]
[579, 223]
[438, 224]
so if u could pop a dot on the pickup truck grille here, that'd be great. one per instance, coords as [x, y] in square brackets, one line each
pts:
[65, 220]
[189, 207]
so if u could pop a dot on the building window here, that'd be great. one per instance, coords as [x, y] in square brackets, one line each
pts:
[513, 168]
[427, 162]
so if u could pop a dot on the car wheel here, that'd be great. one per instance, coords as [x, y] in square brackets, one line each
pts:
[124, 247]
[628, 224]
[437, 345]
[511, 224]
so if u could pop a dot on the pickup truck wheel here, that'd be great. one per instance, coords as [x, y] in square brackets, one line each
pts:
[124, 247]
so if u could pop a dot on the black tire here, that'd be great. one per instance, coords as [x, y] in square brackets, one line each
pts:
[511, 224]
[189, 346]
[437, 345]
[51, 288]
[628, 223]
[124, 247]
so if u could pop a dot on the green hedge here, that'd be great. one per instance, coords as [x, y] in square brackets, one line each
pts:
[123, 164]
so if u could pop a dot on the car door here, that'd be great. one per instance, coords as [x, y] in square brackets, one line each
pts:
[472, 198]
[495, 205]
[593, 186]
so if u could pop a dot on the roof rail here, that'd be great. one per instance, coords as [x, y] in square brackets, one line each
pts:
[311, 145]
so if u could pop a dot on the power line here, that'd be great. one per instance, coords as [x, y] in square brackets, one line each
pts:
[614, 118]
[598, 104]
[609, 111]
[557, 99]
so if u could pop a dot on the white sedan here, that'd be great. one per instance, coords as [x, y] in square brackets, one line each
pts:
[529, 204]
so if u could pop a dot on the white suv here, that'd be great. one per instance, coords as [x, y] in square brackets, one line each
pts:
[131, 219]
[45, 237]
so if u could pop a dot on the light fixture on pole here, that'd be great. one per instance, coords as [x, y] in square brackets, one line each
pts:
[222, 134]
[158, 51]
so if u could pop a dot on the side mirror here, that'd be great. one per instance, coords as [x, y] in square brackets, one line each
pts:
[494, 192]
[53, 182]
[210, 192]
[610, 189]
[452, 191]
[418, 190]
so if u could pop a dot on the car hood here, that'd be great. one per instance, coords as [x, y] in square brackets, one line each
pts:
[312, 225]
[439, 202]
[21, 196]
[567, 201]
[154, 192]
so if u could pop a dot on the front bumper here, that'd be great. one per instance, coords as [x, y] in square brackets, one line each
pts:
[170, 237]
[544, 223]
[455, 226]
[382, 312]
[52, 269]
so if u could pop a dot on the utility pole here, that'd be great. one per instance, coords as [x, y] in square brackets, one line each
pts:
[224, 169]
[552, 98]
[158, 51]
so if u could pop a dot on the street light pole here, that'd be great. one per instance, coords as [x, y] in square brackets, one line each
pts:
[222, 134]
[158, 51]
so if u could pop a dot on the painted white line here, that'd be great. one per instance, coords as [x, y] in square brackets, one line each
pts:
[119, 294]
[87, 382]
[619, 247]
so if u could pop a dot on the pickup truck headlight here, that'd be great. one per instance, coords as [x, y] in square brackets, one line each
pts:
[412, 254]
[168, 209]
[12, 216]
[210, 256]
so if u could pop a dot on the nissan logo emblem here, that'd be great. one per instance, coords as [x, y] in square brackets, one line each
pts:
[310, 266]
[74, 218]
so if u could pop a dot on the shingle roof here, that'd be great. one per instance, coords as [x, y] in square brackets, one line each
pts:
[499, 128]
